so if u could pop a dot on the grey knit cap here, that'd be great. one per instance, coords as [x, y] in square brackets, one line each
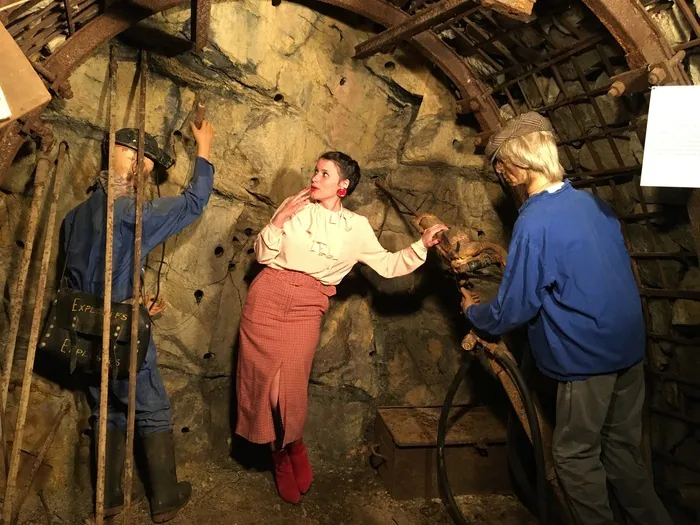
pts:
[524, 124]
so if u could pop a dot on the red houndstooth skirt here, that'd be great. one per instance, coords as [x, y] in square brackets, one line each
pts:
[280, 329]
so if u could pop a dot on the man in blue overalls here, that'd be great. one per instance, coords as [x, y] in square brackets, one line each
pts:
[84, 249]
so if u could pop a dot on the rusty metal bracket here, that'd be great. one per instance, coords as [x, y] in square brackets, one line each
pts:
[667, 71]
[60, 87]
[633, 81]
[40, 132]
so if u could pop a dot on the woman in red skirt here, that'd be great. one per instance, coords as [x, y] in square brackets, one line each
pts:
[310, 244]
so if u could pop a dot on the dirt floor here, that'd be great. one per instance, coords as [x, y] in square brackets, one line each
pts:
[233, 496]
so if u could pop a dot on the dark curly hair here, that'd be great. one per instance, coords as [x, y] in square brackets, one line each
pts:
[348, 168]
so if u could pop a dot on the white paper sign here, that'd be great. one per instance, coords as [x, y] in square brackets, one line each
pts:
[672, 146]
[5, 112]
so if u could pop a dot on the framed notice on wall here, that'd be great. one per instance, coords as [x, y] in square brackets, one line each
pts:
[672, 145]
[21, 89]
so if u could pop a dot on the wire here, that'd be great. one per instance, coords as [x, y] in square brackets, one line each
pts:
[443, 482]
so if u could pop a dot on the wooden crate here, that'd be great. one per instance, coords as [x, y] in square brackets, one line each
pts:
[475, 451]
[23, 88]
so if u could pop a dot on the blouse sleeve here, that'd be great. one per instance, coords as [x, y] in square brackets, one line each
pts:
[386, 263]
[268, 243]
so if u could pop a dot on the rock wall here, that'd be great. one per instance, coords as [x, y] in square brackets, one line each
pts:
[280, 89]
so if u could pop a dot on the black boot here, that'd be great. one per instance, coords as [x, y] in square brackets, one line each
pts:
[167, 495]
[115, 451]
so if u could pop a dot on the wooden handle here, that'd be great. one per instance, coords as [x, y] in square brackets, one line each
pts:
[199, 115]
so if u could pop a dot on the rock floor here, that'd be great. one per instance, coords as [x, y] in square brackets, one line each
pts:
[338, 497]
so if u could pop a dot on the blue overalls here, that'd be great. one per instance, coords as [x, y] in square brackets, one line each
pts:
[85, 250]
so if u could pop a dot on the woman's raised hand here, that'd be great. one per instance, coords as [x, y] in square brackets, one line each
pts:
[290, 206]
[430, 236]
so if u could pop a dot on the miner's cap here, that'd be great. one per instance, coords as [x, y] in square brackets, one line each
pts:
[129, 138]
[524, 124]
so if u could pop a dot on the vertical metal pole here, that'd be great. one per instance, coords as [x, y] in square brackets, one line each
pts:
[33, 339]
[131, 415]
[43, 167]
[107, 300]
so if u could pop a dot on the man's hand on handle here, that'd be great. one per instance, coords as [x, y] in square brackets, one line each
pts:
[468, 299]
[290, 206]
[204, 137]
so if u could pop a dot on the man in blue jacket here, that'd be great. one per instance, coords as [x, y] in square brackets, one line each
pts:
[84, 237]
[568, 277]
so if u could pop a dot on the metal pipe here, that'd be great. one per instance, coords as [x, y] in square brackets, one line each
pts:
[43, 167]
[33, 339]
[107, 299]
[138, 233]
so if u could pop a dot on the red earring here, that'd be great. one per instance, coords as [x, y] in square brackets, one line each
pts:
[342, 192]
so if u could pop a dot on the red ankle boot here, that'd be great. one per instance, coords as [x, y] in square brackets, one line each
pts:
[284, 477]
[301, 465]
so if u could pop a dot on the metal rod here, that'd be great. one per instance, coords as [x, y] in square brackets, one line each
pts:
[664, 255]
[138, 233]
[200, 16]
[69, 17]
[386, 190]
[107, 299]
[684, 341]
[437, 14]
[676, 461]
[673, 294]
[675, 415]
[41, 456]
[43, 167]
[689, 16]
[33, 339]
[673, 378]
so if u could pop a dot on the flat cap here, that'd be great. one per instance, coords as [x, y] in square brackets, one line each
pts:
[517, 127]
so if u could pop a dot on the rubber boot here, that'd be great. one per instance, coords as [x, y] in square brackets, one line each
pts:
[300, 465]
[284, 477]
[115, 452]
[167, 495]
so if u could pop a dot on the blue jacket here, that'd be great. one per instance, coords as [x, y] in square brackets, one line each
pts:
[161, 218]
[569, 277]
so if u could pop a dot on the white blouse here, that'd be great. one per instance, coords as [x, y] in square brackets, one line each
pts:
[326, 245]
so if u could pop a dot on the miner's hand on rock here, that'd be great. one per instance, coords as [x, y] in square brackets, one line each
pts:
[290, 206]
[204, 137]
[430, 236]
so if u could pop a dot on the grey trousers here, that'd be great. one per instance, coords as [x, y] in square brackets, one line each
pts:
[597, 438]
